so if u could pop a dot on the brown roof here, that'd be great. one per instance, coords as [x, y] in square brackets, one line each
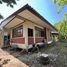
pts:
[31, 10]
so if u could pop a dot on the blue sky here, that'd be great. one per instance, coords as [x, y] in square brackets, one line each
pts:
[45, 7]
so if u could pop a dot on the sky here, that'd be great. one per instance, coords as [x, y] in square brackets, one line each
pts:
[46, 8]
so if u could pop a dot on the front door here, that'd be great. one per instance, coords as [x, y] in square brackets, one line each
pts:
[30, 36]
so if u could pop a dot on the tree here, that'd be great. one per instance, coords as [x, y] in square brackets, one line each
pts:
[1, 17]
[9, 3]
[61, 4]
[65, 16]
[62, 28]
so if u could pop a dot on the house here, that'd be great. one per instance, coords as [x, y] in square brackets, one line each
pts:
[25, 27]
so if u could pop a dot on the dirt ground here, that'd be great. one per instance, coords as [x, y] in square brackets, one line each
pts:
[57, 53]
[7, 60]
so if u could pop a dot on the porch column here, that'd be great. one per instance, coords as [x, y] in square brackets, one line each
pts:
[45, 33]
[49, 37]
[25, 34]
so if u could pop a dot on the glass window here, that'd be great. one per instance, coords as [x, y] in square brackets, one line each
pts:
[17, 32]
[39, 32]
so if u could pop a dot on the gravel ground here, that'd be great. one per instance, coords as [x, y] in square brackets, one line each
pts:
[57, 53]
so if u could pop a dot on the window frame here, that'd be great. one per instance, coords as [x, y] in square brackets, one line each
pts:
[41, 34]
[15, 32]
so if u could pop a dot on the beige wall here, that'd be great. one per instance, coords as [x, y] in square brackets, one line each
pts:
[2, 34]
[27, 25]
[49, 36]
[1, 39]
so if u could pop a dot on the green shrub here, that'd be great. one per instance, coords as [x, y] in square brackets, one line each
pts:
[62, 38]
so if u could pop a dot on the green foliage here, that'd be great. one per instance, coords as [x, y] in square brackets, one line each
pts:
[62, 28]
[1, 17]
[54, 1]
[66, 16]
[62, 38]
[61, 4]
[9, 2]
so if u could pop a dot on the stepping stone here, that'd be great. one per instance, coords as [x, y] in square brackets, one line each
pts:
[44, 59]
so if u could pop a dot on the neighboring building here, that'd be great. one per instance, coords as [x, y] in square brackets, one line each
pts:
[55, 35]
[26, 27]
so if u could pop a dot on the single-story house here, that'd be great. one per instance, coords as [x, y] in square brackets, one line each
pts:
[25, 27]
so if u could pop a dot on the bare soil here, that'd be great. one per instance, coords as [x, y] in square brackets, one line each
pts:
[7, 60]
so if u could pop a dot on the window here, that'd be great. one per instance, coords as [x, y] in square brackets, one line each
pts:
[39, 32]
[17, 32]
[30, 32]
